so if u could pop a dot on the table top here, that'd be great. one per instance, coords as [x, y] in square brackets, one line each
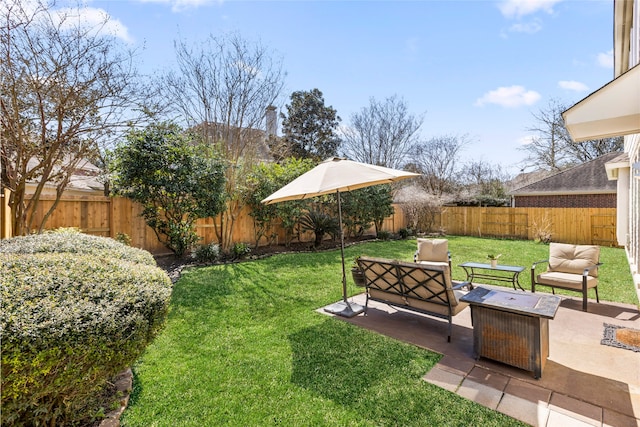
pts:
[536, 305]
[499, 267]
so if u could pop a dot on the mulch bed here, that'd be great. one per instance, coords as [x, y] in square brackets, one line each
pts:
[173, 265]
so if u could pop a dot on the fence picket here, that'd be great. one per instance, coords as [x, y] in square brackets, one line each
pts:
[105, 216]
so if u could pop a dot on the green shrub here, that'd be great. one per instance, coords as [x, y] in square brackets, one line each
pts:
[71, 241]
[207, 253]
[123, 238]
[320, 223]
[384, 235]
[75, 311]
[404, 233]
[240, 250]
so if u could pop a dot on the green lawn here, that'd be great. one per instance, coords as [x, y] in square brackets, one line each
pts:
[614, 277]
[244, 346]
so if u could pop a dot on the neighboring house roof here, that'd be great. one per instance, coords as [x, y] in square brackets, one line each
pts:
[587, 178]
[84, 179]
[526, 178]
[257, 139]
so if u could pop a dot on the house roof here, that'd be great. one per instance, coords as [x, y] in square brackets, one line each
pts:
[587, 178]
[257, 139]
[86, 177]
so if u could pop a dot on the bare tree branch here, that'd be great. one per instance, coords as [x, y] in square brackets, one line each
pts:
[223, 88]
[551, 147]
[67, 90]
[438, 161]
[382, 133]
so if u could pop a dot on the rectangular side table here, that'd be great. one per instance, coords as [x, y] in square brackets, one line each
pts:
[488, 272]
[512, 327]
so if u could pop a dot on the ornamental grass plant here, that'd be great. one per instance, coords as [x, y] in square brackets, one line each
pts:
[244, 345]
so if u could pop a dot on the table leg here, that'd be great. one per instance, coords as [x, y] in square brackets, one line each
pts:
[469, 276]
[516, 281]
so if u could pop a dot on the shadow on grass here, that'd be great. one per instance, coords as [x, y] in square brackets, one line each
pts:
[379, 378]
[339, 362]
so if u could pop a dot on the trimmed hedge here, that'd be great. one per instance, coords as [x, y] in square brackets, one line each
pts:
[69, 240]
[75, 311]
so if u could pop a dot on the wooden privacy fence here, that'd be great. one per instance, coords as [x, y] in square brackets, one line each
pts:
[109, 216]
[106, 216]
[582, 226]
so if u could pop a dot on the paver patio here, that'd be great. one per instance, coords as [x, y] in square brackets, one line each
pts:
[584, 382]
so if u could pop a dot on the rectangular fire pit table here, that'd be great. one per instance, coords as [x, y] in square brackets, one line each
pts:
[476, 270]
[512, 327]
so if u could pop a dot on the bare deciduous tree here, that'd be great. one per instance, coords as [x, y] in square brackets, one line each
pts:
[485, 180]
[438, 161]
[548, 146]
[382, 133]
[65, 87]
[551, 147]
[581, 152]
[223, 88]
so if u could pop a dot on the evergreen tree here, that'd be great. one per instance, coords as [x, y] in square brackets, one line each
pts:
[309, 128]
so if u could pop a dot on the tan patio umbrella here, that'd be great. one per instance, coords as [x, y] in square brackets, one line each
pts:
[336, 175]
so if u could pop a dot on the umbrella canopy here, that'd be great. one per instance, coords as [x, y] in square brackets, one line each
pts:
[338, 175]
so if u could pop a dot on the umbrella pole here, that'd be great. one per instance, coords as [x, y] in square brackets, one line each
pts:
[343, 308]
[344, 274]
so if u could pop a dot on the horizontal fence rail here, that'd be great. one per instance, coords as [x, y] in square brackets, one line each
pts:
[580, 226]
[110, 216]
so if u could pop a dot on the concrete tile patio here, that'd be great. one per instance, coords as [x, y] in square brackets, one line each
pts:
[584, 382]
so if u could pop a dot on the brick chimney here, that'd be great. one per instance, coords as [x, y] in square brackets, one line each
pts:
[272, 121]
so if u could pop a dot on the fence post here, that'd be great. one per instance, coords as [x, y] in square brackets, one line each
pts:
[5, 215]
[112, 231]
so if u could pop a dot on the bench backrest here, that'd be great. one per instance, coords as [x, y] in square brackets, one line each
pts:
[573, 259]
[409, 280]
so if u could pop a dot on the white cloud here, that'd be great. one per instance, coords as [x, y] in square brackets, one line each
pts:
[526, 27]
[606, 59]
[94, 18]
[573, 85]
[510, 97]
[252, 71]
[180, 5]
[527, 139]
[519, 8]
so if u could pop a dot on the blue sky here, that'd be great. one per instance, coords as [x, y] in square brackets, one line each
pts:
[475, 68]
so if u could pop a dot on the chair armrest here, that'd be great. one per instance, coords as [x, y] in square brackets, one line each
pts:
[544, 261]
[586, 270]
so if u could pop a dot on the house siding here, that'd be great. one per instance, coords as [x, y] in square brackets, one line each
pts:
[566, 201]
[632, 147]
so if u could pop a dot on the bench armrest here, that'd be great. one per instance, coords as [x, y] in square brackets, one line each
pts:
[462, 285]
